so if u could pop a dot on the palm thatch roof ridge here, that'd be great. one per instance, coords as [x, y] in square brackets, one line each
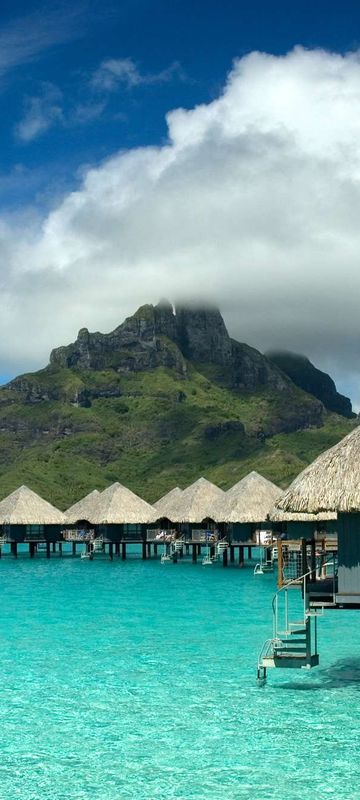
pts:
[84, 508]
[118, 505]
[250, 500]
[330, 483]
[165, 504]
[196, 503]
[25, 507]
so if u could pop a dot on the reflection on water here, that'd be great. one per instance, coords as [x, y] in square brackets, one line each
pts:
[344, 672]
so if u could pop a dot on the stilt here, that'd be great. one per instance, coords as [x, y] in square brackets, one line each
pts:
[0, 552]
[13, 547]
[155, 549]
[249, 553]
[60, 548]
[123, 551]
[212, 551]
[199, 549]
[111, 551]
[117, 548]
[194, 553]
[187, 549]
[148, 549]
[232, 554]
[74, 548]
[48, 545]
[31, 549]
[225, 557]
[54, 547]
[175, 556]
[241, 555]
[144, 550]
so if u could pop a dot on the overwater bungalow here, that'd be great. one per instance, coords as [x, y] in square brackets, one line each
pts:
[119, 514]
[246, 506]
[330, 485]
[27, 517]
[194, 510]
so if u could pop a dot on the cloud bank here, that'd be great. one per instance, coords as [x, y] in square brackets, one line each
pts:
[253, 202]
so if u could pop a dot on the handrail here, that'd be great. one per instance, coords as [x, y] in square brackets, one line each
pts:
[302, 579]
[267, 648]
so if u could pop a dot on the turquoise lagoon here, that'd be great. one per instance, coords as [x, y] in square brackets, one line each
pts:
[136, 680]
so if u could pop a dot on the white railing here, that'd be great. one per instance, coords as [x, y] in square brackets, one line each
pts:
[78, 535]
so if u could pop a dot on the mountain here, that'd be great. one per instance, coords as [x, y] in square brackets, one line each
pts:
[165, 397]
[308, 377]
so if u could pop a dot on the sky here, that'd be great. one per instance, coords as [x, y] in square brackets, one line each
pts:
[205, 150]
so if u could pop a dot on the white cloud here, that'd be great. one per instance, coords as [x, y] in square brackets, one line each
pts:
[40, 113]
[113, 72]
[254, 202]
[27, 37]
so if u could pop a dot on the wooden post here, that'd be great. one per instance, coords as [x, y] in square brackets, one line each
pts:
[32, 549]
[249, 553]
[225, 557]
[48, 544]
[212, 551]
[123, 551]
[117, 548]
[0, 552]
[194, 553]
[304, 566]
[74, 548]
[280, 563]
[54, 547]
[155, 549]
[241, 555]
[111, 551]
[144, 550]
[232, 554]
[13, 547]
[313, 560]
[60, 548]
[187, 549]
[148, 544]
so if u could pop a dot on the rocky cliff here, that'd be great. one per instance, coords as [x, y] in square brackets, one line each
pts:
[311, 379]
[158, 336]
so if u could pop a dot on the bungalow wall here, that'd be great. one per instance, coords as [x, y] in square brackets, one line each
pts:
[307, 530]
[46, 532]
[349, 559]
[242, 531]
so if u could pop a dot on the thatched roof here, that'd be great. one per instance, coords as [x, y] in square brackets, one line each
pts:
[25, 507]
[196, 503]
[84, 508]
[278, 515]
[165, 505]
[330, 483]
[117, 505]
[250, 500]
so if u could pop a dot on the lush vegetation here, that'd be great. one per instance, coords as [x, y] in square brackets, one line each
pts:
[151, 431]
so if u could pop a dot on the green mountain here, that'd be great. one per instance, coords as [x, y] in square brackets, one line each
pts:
[164, 398]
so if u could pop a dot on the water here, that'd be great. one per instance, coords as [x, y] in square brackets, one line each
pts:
[136, 680]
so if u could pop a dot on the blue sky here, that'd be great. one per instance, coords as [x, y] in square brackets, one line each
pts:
[147, 150]
[57, 115]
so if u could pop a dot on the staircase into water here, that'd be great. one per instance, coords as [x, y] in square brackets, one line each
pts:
[294, 643]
